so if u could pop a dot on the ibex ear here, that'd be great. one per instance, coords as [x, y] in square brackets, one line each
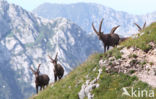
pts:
[32, 70]
[113, 29]
[139, 28]
[144, 25]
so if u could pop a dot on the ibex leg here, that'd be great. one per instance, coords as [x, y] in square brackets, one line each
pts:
[104, 48]
[55, 78]
[36, 89]
[107, 48]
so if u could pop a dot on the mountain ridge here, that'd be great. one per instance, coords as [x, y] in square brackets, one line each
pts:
[84, 14]
[27, 40]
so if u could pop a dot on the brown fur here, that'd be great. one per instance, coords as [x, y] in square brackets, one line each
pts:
[111, 39]
[40, 80]
[58, 69]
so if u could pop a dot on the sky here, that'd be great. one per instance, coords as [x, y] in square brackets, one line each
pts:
[137, 7]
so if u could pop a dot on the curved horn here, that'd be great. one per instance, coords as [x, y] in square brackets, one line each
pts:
[144, 25]
[138, 26]
[56, 56]
[95, 29]
[50, 58]
[38, 67]
[113, 29]
[32, 70]
[100, 26]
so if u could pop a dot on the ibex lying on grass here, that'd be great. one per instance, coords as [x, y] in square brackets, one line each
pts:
[40, 80]
[58, 69]
[139, 28]
[110, 39]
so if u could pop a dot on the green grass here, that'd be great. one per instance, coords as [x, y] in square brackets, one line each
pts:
[133, 56]
[69, 86]
[142, 41]
[110, 84]
[114, 52]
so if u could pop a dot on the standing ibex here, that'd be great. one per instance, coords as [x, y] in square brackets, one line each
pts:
[58, 69]
[110, 39]
[40, 80]
[139, 28]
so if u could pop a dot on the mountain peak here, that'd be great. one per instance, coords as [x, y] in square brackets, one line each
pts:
[26, 40]
[95, 12]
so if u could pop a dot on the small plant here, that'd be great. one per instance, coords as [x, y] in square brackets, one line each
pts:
[144, 62]
[134, 78]
[110, 63]
[148, 69]
[133, 62]
[133, 55]
[151, 63]
[132, 71]
[147, 48]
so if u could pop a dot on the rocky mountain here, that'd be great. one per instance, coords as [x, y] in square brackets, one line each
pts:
[135, 61]
[26, 40]
[127, 71]
[84, 14]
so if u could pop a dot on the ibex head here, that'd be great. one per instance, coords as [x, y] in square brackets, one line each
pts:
[99, 33]
[54, 61]
[37, 72]
[139, 28]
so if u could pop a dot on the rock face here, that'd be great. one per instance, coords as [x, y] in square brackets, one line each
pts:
[89, 86]
[84, 14]
[134, 61]
[27, 40]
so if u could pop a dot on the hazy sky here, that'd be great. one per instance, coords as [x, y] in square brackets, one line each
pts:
[131, 6]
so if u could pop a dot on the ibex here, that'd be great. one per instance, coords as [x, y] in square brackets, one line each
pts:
[40, 80]
[139, 28]
[110, 39]
[58, 69]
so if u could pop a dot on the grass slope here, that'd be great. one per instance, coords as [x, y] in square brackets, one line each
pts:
[69, 86]
[110, 84]
[143, 40]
